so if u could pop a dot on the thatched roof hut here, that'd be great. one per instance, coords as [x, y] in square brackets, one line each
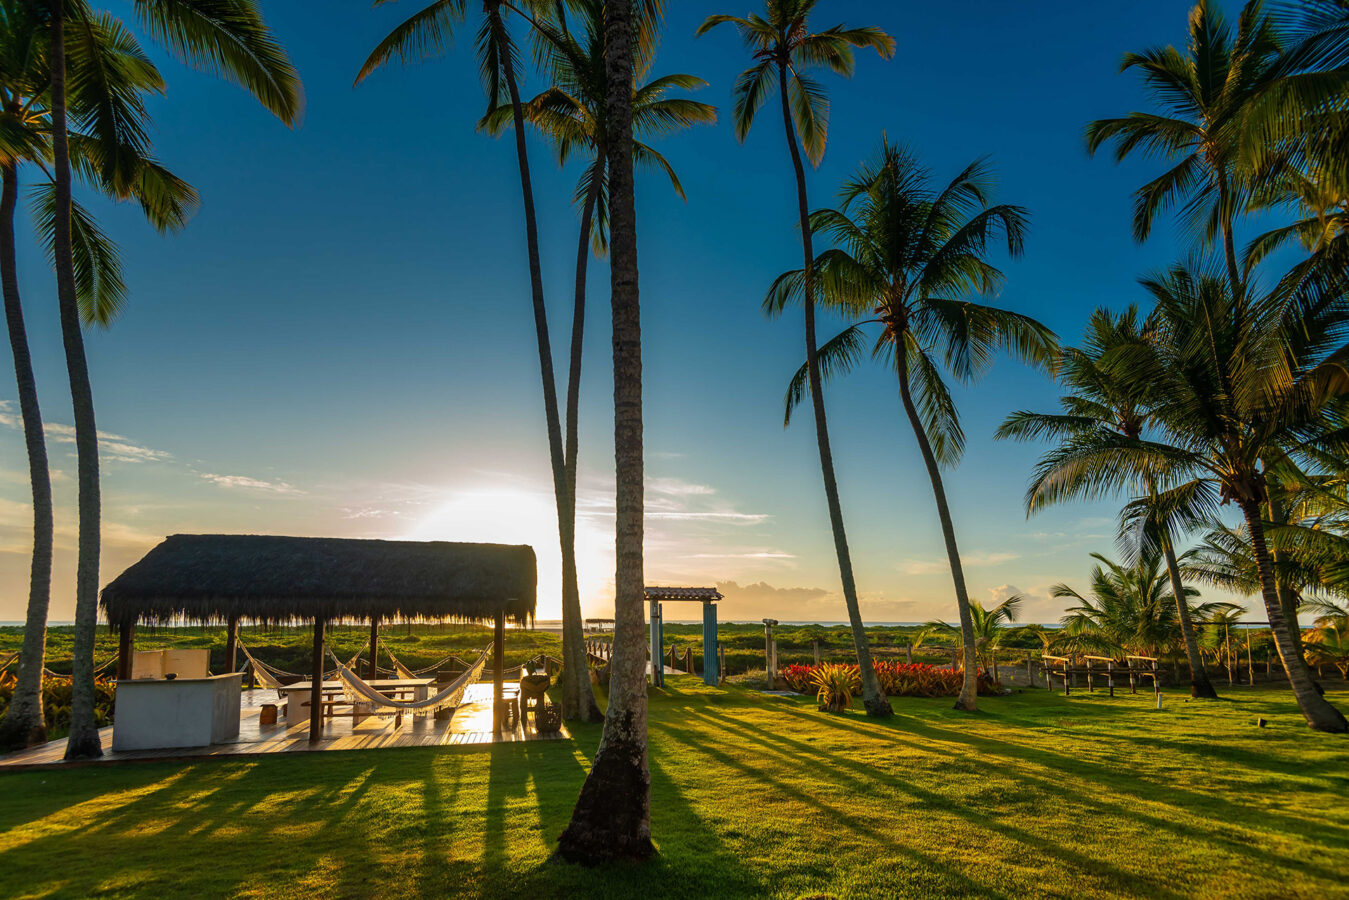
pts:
[268, 578]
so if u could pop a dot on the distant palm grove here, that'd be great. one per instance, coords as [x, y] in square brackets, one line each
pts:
[1213, 410]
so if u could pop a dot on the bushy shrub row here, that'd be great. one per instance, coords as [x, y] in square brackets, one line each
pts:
[56, 701]
[898, 679]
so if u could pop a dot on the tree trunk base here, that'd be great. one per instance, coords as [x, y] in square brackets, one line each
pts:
[1203, 688]
[1324, 717]
[610, 822]
[21, 732]
[879, 708]
[966, 705]
[84, 746]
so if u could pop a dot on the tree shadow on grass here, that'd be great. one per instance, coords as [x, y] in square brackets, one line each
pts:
[865, 779]
[1107, 783]
[930, 866]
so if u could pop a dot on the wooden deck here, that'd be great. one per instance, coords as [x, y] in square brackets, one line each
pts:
[471, 725]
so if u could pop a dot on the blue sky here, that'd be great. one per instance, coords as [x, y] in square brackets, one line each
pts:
[341, 343]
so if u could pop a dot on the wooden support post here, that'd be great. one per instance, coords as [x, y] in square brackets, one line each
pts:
[126, 650]
[816, 645]
[373, 669]
[498, 669]
[1133, 677]
[721, 663]
[908, 655]
[1091, 688]
[316, 685]
[232, 644]
[1030, 670]
[770, 655]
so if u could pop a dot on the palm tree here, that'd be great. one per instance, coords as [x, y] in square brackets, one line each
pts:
[224, 36]
[908, 259]
[1130, 609]
[427, 33]
[1105, 395]
[25, 80]
[571, 114]
[990, 628]
[783, 47]
[1205, 94]
[612, 816]
[1238, 382]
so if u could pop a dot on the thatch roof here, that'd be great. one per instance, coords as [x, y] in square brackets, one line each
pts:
[268, 578]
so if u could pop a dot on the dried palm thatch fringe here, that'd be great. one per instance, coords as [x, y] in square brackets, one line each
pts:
[273, 579]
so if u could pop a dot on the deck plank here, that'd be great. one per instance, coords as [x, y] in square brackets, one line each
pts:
[471, 725]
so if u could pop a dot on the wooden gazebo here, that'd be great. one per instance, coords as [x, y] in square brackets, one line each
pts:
[228, 578]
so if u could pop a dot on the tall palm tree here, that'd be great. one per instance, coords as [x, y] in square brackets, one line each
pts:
[228, 37]
[25, 80]
[908, 258]
[1204, 94]
[429, 32]
[612, 816]
[1105, 394]
[783, 47]
[1239, 381]
[572, 115]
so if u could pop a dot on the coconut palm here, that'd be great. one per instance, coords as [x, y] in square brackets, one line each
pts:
[1129, 610]
[1239, 382]
[1106, 394]
[612, 816]
[784, 47]
[990, 628]
[908, 259]
[1205, 94]
[224, 36]
[571, 114]
[25, 80]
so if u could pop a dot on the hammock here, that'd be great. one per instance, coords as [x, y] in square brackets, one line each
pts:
[404, 672]
[359, 692]
[48, 673]
[261, 671]
[277, 674]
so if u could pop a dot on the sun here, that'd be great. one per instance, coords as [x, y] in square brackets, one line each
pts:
[517, 516]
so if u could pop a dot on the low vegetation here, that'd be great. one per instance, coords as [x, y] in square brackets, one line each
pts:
[1038, 795]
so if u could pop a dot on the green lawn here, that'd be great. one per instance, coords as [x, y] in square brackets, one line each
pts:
[1036, 796]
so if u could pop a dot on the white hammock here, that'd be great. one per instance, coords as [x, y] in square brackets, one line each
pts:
[261, 671]
[358, 691]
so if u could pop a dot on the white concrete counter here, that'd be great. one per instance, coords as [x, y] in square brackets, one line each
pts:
[156, 714]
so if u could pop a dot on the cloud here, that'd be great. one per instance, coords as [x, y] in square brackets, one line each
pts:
[243, 482]
[761, 600]
[744, 554]
[111, 447]
[968, 560]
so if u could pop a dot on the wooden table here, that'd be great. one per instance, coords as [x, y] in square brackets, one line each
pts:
[297, 695]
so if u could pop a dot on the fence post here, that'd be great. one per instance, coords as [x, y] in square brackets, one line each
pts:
[1030, 671]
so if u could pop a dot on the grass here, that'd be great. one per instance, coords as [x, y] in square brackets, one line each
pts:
[1035, 796]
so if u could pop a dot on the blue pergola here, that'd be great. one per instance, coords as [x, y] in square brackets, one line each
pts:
[707, 596]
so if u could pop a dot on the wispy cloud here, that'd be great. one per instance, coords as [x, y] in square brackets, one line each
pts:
[744, 554]
[969, 560]
[243, 482]
[111, 447]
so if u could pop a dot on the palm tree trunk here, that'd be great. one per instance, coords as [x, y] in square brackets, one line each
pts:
[1319, 713]
[969, 688]
[24, 724]
[612, 816]
[1287, 600]
[873, 699]
[565, 502]
[84, 742]
[578, 697]
[1200, 686]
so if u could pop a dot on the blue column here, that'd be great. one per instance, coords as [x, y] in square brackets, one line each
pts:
[657, 670]
[710, 673]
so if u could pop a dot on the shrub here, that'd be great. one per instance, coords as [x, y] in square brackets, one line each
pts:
[836, 685]
[897, 679]
[56, 701]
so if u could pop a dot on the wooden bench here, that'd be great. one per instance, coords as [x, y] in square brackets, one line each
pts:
[1094, 667]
